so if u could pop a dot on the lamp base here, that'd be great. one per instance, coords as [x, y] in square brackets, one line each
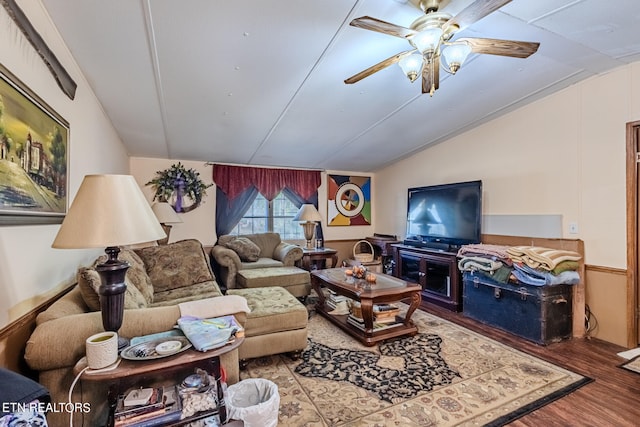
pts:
[309, 229]
[167, 230]
[111, 291]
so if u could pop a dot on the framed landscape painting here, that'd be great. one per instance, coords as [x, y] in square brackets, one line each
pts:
[34, 146]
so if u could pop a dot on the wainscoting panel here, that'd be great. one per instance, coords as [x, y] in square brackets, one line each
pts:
[607, 301]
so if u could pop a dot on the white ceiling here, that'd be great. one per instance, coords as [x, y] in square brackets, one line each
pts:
[262, 82]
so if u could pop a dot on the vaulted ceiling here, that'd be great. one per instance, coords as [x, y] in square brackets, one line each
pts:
[262, 82]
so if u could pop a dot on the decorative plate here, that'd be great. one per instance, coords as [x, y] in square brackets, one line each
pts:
[147, 350]
[168, 347]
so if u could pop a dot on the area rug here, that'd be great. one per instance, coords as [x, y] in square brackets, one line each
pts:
[445, 375]
[632, 365]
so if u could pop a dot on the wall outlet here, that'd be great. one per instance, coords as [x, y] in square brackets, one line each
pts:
[573, 228]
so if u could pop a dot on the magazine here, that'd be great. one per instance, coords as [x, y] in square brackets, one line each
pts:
[163, 408]
[212, 333]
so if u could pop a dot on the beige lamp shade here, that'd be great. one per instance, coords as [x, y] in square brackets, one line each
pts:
[108, 210]
[308, 212]
[165, 213]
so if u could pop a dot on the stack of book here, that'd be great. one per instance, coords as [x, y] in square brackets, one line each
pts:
[385, 313]
[333, 299]
[384, 316]
[148, 407]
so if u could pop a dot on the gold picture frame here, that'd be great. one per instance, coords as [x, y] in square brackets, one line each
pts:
[34, 156]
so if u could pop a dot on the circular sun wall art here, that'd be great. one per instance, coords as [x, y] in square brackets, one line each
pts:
[348, 200]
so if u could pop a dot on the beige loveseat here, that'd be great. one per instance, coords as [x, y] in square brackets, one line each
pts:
[160, 277]
[263, 255]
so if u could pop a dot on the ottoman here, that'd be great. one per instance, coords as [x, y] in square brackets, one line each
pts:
[277, 322]
[294, 279]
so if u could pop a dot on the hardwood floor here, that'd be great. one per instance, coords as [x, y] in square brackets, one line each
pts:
[613, 399]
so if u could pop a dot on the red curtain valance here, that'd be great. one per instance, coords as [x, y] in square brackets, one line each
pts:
[233, 180]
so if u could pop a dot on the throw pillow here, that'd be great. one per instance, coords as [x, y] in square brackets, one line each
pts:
[89, 282]
[176, 265]
[245, 248]
[137, 274]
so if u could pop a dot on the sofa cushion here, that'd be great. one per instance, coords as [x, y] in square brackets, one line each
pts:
[89, 282]
[137, 274]
[245, 248]
[267, 242]
[273, 276]
[71, 303]
[177, 265]
[262, 263]
[273, 309]
[189, 293]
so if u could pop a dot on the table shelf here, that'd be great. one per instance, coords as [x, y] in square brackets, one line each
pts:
[387, 289]
[130, 373]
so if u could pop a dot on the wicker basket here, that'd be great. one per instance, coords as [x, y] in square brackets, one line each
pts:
[355, 308]
[362, 256]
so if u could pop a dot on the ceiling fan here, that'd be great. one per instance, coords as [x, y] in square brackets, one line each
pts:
[431, 37]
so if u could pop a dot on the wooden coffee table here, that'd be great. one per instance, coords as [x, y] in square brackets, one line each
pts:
[386, 289]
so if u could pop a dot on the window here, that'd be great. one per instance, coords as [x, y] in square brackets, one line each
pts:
[276, 216]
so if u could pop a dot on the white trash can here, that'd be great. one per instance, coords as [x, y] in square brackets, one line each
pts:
[255, 401]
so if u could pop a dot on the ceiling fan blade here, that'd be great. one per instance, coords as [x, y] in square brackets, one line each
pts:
[474, 12]
[431, 75]
[373, 24]
[513, 48]
[377, 67]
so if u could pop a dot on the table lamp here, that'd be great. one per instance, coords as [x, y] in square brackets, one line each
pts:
[308, 215]
[166, 216]
[109, 211]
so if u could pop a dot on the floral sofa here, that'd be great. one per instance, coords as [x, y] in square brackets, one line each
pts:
[161, 282]
[259, 260]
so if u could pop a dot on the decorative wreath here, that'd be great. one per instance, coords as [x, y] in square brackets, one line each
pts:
[174, 184]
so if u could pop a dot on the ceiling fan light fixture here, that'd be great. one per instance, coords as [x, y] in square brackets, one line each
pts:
[427, 40]
[411, 66]
[455, 54]
[431, 36]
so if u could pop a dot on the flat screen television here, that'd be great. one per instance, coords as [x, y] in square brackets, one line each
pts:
[444, 216]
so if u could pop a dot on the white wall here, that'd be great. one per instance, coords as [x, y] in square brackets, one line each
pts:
[352, 231]
[564, 154]
[200, 223]
[30, 270]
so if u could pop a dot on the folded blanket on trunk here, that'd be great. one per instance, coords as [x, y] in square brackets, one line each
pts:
[482, 249]
[475, 263]
[536, 277]
[540, 257]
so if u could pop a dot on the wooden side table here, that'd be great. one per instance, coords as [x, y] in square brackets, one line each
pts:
[316, 259]
[383, 249]
[130, 373]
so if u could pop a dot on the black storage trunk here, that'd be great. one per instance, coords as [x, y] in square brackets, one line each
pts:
[542, 314]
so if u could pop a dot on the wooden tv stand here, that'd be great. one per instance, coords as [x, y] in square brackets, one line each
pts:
[436, 271]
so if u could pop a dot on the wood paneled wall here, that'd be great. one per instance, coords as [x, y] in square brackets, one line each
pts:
[14, 336]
